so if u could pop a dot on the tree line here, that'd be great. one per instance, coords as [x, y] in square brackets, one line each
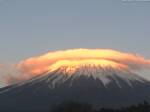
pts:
[83, 107]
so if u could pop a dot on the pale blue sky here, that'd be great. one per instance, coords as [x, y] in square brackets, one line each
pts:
[32, 27]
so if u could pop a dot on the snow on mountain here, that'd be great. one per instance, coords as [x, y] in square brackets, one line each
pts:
[104, 74]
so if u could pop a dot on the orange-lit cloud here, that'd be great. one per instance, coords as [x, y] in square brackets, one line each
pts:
[40, 64]
[72, 60]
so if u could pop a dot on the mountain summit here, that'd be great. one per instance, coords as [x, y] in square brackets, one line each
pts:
[101, 72]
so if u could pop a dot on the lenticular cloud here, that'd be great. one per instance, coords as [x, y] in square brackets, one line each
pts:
[40, 64]
[73, 58]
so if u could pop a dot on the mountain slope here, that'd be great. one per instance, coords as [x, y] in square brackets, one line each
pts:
[104, 86]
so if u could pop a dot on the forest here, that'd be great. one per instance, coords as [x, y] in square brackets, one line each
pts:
[83, 107]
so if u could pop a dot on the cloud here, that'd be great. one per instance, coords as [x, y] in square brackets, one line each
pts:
[40, 64]
[106, 57]
[9, 74]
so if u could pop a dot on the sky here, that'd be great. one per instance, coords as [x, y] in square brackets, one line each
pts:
[32, 27]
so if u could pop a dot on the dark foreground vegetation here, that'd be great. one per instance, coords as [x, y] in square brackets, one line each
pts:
[82, 107]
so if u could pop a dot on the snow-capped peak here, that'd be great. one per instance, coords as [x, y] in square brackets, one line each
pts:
[105, 74]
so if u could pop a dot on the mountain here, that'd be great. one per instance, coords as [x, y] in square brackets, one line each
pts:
[97, 85]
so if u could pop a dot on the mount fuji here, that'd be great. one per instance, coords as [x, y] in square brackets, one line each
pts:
[97, 85]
